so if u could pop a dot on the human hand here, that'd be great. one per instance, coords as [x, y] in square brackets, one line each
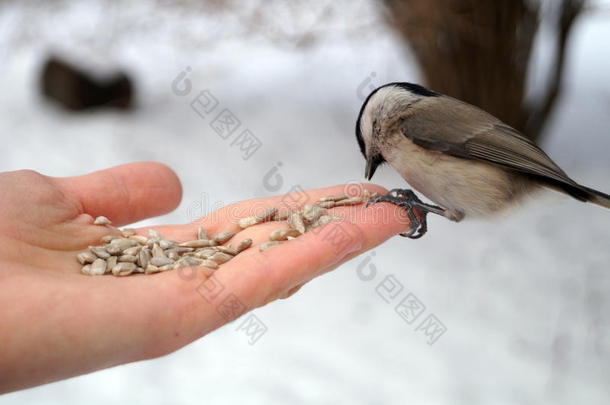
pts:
[58, 323]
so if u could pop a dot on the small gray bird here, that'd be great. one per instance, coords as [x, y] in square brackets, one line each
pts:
[457, 155]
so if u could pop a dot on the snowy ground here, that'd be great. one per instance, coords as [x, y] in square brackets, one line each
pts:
[525, 299]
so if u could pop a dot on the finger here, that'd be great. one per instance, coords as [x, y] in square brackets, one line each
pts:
[126, 193]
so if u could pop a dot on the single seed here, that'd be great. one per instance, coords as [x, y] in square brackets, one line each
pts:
[160, 261]
[201, 234]
[98, 267]
[268, 245]
[127, 232]
[349, 201]
[180, 249]
[187, 262]
[290, 237]
[142, 240]
[199, 243]
[227, 249]
[150, 269]
[128, 258]
[139, 270]
[243, 245]
[221, 258]
[86, 269]
[108, 238]
[173, 255]
[154, 234]
[223, 237]
[110, 263]
[337, 197]
[132, 250]
[144, 257]
[325, 219]
[167, 244]
[295, 220]
[326, 204]
[283, 234]
[124, 243]
[209, 264]
[312, 212]
[123, 269]
[99, 252]
[86, 257]
[264, 216]
[281, 216]
[101, 220]
[157, 251]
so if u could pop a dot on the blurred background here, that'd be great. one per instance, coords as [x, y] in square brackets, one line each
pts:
[516, 310]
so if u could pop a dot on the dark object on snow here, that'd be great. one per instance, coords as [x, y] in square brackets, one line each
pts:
[77, 90]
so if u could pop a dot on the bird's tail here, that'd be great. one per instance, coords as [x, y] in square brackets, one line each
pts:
[596, 197]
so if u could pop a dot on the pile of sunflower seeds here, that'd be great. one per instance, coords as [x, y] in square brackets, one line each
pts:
[131, 253]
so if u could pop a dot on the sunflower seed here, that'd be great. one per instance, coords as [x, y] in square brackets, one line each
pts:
[281, 216]
[167, 244]
[142, 240]
[98, 267]
[132, 250]
[326, 204]
[108, 238]
[243, 245]
[86, 269]
[128, 258]
[123, 269]
[210, 264]
[139, 270]
[110, 263]
[264, 216]
[101, 220]
[221, 258]
[268, 245]
[157, 251]
[337, 197]
[99, 252]
[187, 262]
[323, 220]
[349, 201]
[160, 261]
[283, 234]
[201, 234]
[150, 269]
[144, 257]
[127, 232]
[227, 249]
[123, 243]
[295, 220]
[199, 243]
[223, 237]
[312, 212]
[86, 257]
[154, 234]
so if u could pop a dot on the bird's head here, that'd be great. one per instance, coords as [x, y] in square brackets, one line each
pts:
[381, 110]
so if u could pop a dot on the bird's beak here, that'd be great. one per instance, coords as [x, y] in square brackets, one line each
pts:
[371, 166]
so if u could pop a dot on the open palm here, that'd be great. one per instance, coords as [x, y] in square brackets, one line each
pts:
[57, 323]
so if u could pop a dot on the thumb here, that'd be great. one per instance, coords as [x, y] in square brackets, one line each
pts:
[126, 193]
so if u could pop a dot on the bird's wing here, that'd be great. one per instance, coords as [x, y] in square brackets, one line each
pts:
[465, 131]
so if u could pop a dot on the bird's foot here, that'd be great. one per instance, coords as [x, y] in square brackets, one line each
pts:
[407, 200]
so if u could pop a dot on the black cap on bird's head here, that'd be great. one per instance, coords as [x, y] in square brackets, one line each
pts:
[373, 157]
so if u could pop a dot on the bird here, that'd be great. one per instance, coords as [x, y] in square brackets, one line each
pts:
[460, 157]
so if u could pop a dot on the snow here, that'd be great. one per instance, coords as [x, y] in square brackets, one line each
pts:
[524, 299]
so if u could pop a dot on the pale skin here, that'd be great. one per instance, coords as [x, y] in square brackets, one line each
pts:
[56, 323]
